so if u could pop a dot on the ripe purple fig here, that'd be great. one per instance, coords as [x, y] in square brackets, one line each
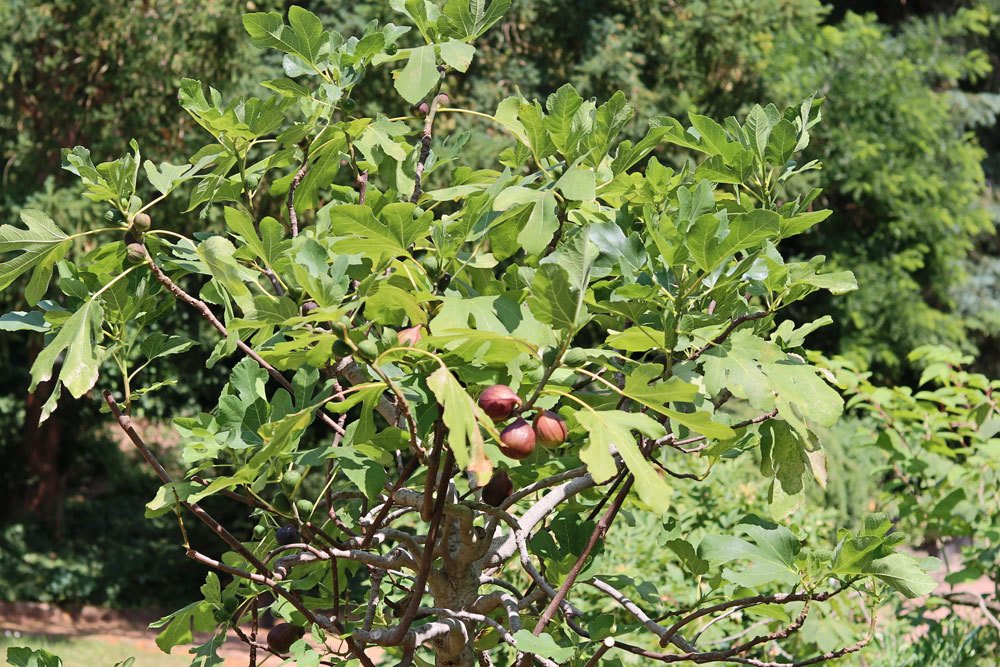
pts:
[517, 440]
[281, 637]
[550, 429]
[498, 489]
[409, 337]
[499, 402]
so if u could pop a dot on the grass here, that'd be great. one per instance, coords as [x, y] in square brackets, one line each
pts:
[96, 651]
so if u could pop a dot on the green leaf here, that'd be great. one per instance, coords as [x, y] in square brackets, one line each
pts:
[554, 299]
[22, 321]
[41, 245]
[304, 38]
[365, 235]
[712, 136]
[468, 19]
[218, 254]
[366, 473]
[180, 626]
[612, 430]
[78, 337]
[542, 224]
[905, 574]
[710, 242]
[458, 55]
[21, 656]
[578, 184]
[419, 76]
[543, 645]
[462, 417]
[781, 144]
[771, 559]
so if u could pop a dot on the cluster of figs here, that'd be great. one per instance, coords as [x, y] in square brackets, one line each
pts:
[519, 438]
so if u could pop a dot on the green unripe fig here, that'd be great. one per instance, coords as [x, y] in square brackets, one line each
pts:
[141, 222]
[430, 263]
[348, 104]
[340, 349]
[291, 478]
[259, 531]
[136, 253]
[391, 50]
[109, 215]
[305, 506]
[368, 349]
[549, 356]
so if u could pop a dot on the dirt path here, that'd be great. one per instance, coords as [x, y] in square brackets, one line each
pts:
[128, 629]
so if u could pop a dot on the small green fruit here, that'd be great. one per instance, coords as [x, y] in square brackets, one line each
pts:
[575, 357]
[368, 349]
[259, 531]
[348, 104]
[340, 349]
[305, 506]
[391, 50]
[291, 478]
[136, 253]
[431, 263]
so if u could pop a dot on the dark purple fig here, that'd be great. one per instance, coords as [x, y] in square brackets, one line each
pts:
[498, 489]
[281, 637]
[287, 534]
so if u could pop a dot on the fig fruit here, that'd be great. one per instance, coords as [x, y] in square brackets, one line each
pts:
[517, 440]
[259, 530]
[305, 506]
[287, 534]
[550, 429]
[575, 356]
[499, 402]
[142, 222]
[368, 349]
[291, 478]
[348, 104]
[409, 337]
[498, 489]
[281, 637]
[136, 253]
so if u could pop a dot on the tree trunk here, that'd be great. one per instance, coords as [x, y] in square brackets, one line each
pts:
[43, 486]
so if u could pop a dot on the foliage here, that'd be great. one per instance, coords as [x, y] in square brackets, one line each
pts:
[637, 300]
